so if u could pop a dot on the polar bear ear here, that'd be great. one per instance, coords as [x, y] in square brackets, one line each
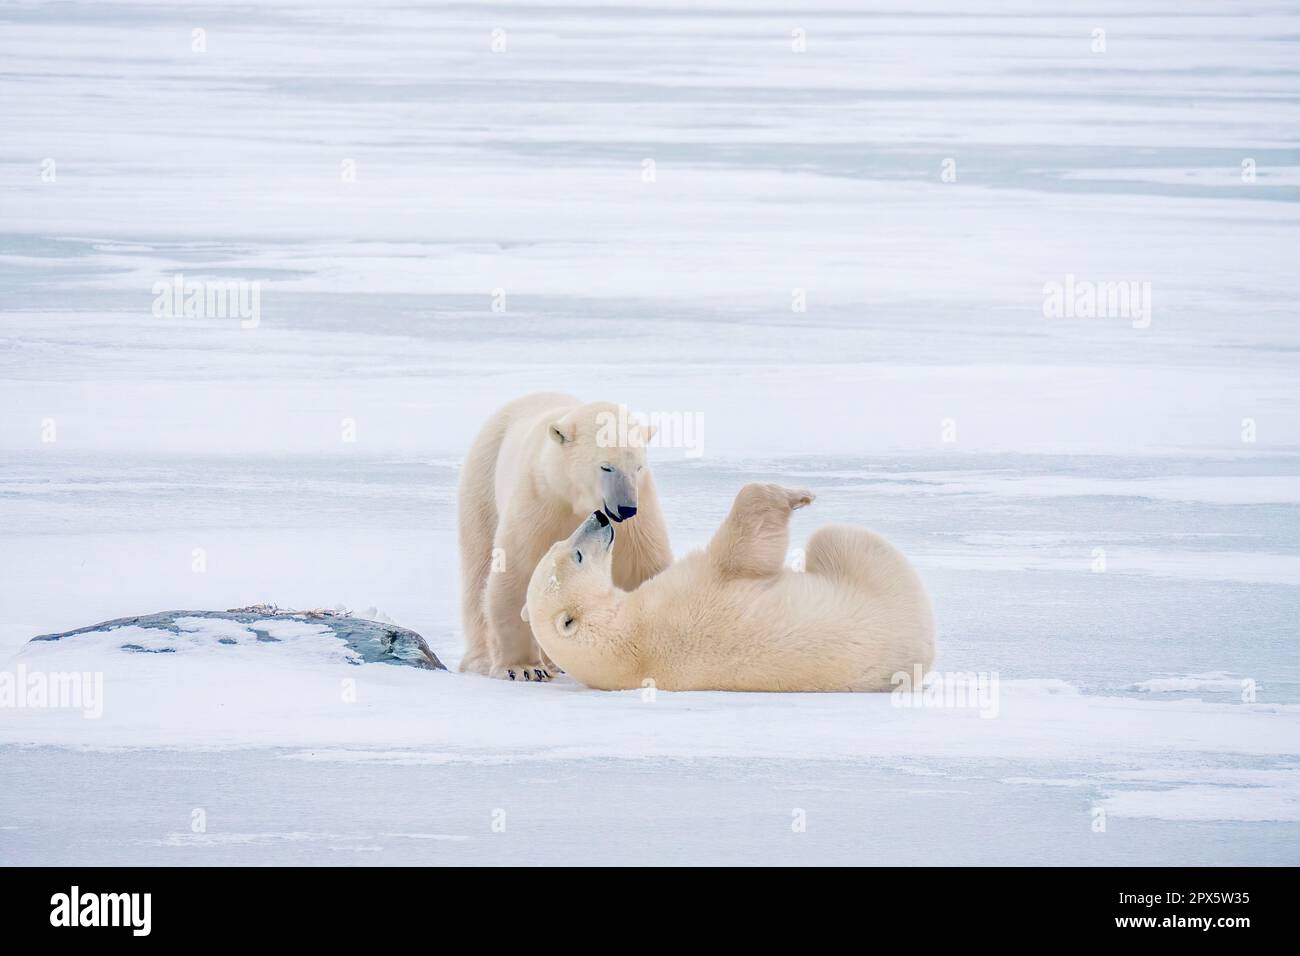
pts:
[562, 432]
[523, 614]
[566, 623]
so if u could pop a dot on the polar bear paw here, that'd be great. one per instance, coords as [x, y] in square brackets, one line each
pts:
[768, 496]
[799, 498]
[534, 671]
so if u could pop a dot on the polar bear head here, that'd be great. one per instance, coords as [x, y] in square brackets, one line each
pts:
[595, 458]
[572, 600]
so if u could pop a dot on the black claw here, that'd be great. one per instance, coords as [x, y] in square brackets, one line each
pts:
[512, 674]
[547, 674]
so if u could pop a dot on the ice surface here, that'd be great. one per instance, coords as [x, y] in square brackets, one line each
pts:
[1113, 528]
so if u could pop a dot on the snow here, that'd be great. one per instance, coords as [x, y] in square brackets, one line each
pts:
[1106, 514]
[1209, 803]
[1161, 685]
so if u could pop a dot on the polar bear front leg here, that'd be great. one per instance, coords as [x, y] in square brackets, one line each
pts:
[752, 542]
[515, 655]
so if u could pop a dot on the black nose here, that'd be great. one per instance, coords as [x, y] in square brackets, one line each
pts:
[624, 512]
[601, 519]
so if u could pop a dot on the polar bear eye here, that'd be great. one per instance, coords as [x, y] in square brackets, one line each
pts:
[577, 556]
[606, 468]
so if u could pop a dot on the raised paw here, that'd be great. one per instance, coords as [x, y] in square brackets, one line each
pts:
[522, 672]
[799, 497]
[767, 495]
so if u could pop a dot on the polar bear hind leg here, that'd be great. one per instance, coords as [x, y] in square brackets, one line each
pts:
[855, 556]
[899, 628]
[476, 529]
[753, 540]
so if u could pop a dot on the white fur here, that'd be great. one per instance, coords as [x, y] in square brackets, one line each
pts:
[731, 617]
[532, 475]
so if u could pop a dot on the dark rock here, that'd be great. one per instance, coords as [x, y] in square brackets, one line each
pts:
[372, 641]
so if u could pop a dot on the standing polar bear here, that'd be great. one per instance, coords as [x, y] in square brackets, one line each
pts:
[731, 617]
[538, 467]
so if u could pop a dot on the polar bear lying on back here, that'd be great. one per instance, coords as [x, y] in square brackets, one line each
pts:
[731, 617]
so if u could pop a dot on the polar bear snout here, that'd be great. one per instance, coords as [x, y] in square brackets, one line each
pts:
[596, 532]
[618, 493]
[594, 535]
